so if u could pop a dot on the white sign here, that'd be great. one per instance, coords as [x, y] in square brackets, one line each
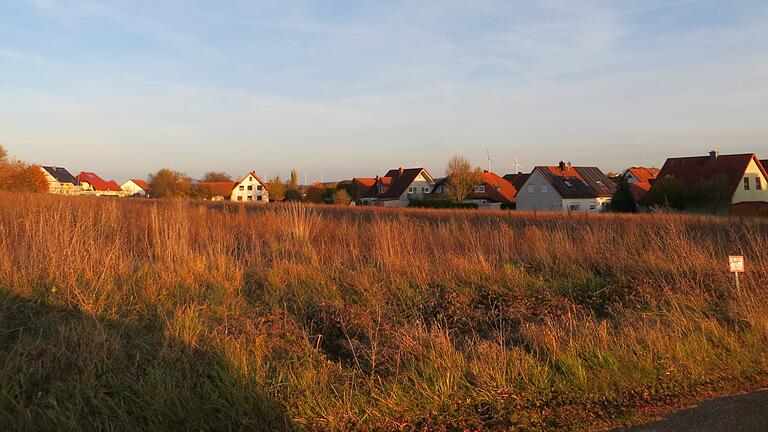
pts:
[736, 264]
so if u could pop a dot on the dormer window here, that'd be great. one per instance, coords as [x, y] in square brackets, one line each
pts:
[480, 189]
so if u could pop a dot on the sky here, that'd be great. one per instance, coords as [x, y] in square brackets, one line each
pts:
[343, 88]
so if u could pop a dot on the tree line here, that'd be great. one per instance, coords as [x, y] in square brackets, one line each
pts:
[19, 176]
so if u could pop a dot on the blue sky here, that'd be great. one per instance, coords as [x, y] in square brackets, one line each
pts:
[353, 88]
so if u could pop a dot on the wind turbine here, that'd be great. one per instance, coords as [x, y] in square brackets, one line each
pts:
[489, 159]
[517, 165]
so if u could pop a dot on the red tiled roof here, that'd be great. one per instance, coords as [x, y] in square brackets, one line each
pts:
[398, 181]
[97, 183]
[692, 170]
[639, 189]
[222, 189]
[141, 183]
[497, 189]
[364, 186]
[644, 174]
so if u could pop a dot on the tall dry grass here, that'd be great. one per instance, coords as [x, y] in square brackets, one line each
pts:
[138, 314]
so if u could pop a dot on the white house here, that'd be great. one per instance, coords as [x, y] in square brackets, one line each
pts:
[565, 188]
[399, 186]
[135, 188]
[61, 181]
[250, 189]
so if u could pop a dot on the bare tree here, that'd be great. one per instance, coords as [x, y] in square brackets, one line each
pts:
[462, 178]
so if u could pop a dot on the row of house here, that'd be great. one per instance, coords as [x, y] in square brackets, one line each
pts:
[742, 179]
[251, 188]
[564, 187]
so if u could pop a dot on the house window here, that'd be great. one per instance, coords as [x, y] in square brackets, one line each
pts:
[592, 207]
[480, 189]
[381, 189]
[758, 183]
[241, 187]
[258, 198]
[425, 189]
[574, 207]
[239, 198]
[544, 189]
[250, 187]
[250, 198]
[746, 183]
[259, 187]
[531, 189]
[411, 189]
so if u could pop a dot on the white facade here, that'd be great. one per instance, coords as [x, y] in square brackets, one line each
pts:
[250, 189]
[420, 186]
[132, 189]
[537, 194]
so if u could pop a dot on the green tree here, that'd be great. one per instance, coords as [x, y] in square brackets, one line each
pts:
[712, 193]
[277, 189]
[167, 183]
[622, 200]
[462, 178]
[668, 191]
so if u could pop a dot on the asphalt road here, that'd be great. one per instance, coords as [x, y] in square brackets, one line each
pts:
[739, 413]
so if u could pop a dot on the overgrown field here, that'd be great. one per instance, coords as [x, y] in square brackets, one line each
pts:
[141, 315]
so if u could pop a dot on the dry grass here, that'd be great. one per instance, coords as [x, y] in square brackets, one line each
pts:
[174, 315]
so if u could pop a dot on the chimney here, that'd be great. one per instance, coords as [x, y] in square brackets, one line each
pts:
[568, 164]
[713, 154]
[561, 165]
[485, 171]
[401, 170]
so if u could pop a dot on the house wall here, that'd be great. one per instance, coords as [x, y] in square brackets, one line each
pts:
[55, 187]
[250, 195]
[132, 189]
[536, 199]
[753, 194]
[585, 204]
[420, 182]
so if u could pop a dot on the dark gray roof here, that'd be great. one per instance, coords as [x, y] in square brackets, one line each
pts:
[60, 174]
[579, 182]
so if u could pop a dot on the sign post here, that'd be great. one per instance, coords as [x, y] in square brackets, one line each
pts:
[736, 265]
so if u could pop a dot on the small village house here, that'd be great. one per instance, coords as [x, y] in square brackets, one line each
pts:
[399, 186]
[491, 192]
[92, 184]
[639, 180]
[566, 188]
[61, 181]
[250, 189]
[219, 191]
[363, 189]
[135, 188]
[740, 178]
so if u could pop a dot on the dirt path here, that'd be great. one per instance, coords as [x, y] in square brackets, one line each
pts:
[740, 413]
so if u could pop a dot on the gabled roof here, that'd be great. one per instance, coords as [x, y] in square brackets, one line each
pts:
[98, 183]
[400, 179]
[517, 180]
[692, 170]
[578, 182]
[643, 174]
[364, 186]
[60, 174]
[639, 189]
[497, 189]
[253, 173]
[222, 189]
[141, 183]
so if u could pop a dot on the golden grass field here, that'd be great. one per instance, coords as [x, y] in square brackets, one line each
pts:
[177, 315]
